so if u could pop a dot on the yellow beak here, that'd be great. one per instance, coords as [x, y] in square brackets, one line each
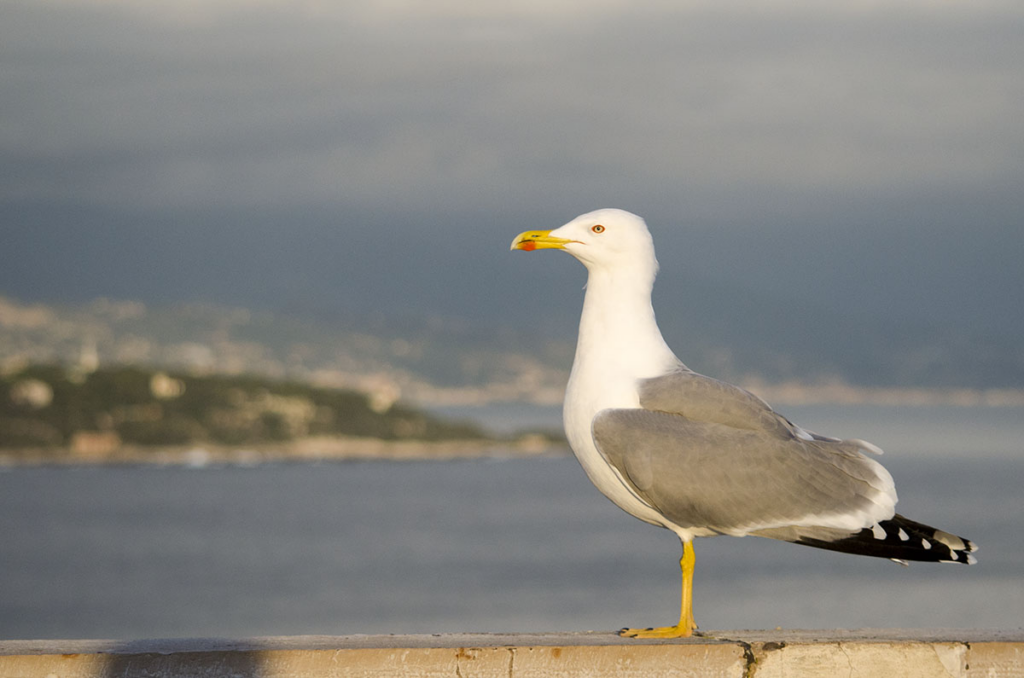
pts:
[538, 240]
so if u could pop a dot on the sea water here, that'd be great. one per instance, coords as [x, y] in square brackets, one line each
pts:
[486, 545]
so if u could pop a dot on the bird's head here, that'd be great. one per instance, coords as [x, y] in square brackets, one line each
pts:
[604, 239]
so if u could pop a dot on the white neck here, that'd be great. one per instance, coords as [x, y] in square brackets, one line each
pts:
[619, 343]
[619, 340]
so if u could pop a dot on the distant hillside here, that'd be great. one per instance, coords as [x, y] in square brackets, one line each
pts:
[429, 361]
[51, 406]
[730, 334]
[744, 335]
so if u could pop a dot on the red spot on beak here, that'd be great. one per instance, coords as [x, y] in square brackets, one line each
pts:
[529, 246]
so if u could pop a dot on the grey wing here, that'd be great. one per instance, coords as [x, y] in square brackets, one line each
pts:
[732, 480]
[701, 398]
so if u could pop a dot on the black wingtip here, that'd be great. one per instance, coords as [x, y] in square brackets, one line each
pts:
[901, 539]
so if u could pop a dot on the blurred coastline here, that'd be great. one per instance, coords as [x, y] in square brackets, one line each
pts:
[432, 361]
[122, 383]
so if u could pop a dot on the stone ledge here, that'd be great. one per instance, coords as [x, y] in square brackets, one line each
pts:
[864, 652]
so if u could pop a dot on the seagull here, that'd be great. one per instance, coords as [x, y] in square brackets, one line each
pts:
[698, 456]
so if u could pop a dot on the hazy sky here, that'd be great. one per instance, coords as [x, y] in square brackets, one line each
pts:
[861, 155]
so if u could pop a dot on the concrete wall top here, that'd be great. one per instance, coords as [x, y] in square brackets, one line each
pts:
[863, 652]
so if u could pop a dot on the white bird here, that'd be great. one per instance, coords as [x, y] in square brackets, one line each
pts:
[698, 456]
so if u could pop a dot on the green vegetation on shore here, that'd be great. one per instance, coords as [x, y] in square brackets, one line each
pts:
[51, 406]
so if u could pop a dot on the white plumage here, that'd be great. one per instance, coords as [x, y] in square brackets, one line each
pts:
[698, 456]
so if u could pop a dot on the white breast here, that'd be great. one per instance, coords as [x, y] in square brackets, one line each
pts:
[578, 415]
[619, 344]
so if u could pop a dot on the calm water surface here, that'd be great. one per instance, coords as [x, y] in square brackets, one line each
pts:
[490, 545]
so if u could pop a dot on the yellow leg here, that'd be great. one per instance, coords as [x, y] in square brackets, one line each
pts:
[686, 625]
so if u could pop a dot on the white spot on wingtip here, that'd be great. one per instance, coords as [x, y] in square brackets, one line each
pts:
[878, 531]
[971, 560]
[900, 561]
[903, 535]
[926, 544]
[802, 434]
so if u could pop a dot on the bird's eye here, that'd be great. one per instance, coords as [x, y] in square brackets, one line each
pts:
[598, 228]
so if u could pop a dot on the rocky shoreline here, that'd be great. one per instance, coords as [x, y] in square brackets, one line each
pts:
[318, 448]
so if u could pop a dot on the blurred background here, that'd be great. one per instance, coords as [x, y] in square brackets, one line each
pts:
[320, 196]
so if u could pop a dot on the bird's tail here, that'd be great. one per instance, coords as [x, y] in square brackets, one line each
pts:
[900, 539]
